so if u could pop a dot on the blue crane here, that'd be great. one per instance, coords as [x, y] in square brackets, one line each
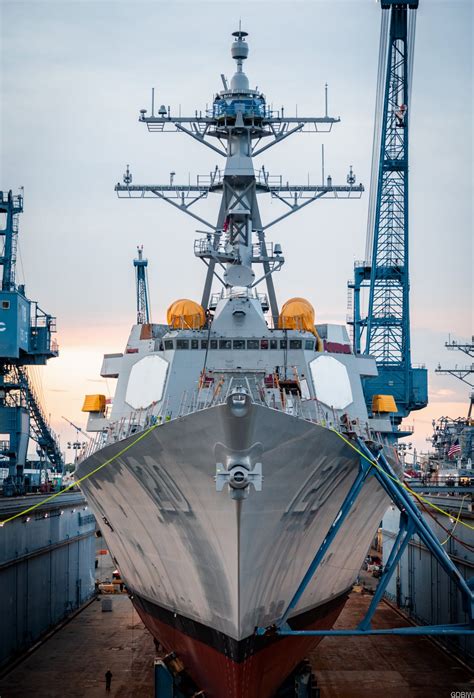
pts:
[25, 340]
[143, 303]
[386, 326]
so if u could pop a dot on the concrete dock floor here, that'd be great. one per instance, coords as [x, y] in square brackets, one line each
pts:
[74, 660]
[391, 667]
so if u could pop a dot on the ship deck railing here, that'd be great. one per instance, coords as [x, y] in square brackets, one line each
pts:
[216, 392]
[238, 293]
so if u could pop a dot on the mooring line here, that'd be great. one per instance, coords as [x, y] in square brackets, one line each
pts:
[154, 426]
[399, 482]
[458, 520]
[78, 482]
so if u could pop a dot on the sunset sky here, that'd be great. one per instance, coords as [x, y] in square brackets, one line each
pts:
[74, 75]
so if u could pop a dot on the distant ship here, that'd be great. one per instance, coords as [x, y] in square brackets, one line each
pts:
[224, 469]
[452, 457]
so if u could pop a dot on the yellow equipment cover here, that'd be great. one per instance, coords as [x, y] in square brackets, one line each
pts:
[94, 403]
[384, 403]
[184, 314]
[297, 314]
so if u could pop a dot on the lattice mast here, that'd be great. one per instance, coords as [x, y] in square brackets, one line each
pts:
[239, 127]
[463, 373]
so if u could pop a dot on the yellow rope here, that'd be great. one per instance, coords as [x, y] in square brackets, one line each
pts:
[399, 482]
[145, 433]
[78, 482]
[458, 520]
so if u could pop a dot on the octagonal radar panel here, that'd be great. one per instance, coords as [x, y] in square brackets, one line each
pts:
[331, 382]
[146, 382]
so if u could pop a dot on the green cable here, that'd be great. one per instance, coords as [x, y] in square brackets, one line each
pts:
[77, 482]
[145, 433]
[399, 482]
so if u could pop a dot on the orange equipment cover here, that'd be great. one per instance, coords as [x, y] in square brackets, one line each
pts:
[94, 403]
[186, 315]
[297, 314]
[384, 403]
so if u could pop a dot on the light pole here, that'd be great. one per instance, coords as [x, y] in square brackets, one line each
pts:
[76, 446]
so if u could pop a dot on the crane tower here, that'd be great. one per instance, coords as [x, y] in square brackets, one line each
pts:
[25, 340]
[143, 301]
[384, 331]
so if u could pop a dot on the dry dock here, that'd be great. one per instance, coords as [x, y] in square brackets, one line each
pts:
[74, 660]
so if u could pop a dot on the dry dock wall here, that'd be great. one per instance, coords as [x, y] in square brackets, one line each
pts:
[420, 587]
[46, 568]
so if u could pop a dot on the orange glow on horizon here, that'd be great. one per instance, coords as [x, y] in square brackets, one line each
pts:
[76, 372]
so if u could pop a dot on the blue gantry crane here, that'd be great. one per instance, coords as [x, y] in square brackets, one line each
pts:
[143, 301]
[384, 332]
[25, 340]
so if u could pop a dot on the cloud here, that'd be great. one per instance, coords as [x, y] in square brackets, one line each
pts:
[441, 393]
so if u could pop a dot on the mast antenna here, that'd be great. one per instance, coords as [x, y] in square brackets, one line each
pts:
[239, 127]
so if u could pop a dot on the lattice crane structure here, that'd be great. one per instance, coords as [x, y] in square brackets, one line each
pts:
[384, 331]
[141, 278]
[25, 340]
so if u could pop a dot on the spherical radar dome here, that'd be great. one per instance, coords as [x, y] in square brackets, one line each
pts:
[185, 314]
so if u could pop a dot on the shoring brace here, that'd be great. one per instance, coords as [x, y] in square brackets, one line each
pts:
[411, 521]
[390, 482]
[405, 532]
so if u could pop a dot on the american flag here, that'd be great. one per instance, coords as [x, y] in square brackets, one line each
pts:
[454, 448]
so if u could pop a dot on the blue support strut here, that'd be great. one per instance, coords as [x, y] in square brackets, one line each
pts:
[330, 535]
[406, 530]
[411, 521]
[389, 481]
[416, 630]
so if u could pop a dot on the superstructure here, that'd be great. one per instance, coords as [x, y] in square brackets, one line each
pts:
[453, 438]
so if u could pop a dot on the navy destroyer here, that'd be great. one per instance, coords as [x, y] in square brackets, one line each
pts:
[453, 438]
[218, 469]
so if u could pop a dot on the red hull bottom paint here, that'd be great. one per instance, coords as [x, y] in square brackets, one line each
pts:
[259, 675]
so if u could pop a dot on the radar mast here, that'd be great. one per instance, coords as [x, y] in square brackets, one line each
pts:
[239, 127]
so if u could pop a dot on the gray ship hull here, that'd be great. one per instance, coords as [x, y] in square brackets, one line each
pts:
[223, 564]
